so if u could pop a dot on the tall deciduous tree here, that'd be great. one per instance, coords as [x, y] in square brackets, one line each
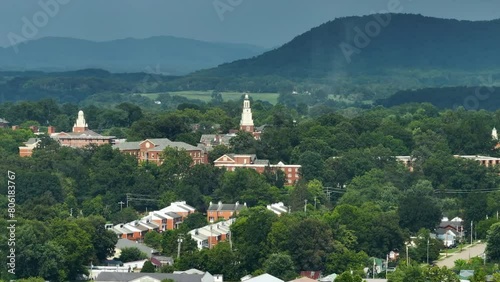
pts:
[493, 243]
[280, 265]
[418, 208]
[250, 235]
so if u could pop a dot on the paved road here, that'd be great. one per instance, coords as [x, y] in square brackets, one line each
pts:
[474, 251]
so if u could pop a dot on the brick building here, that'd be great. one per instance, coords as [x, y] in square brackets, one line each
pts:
[210, 235]
[482, 160]
[150, 150]
[223, 211]
[80, 137]
[168, 218]
[233, 161]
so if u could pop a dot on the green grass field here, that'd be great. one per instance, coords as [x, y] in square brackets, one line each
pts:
[206, 95]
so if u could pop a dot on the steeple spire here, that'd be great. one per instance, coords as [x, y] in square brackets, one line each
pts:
[246, 123]
[80, 124]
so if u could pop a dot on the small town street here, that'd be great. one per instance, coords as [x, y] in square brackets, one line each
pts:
[468, 252]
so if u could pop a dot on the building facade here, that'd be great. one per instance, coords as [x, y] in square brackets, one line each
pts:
[210, 235]
[233, 161]
[220, 211]
[150, 150]
[80, 137]
[168, 218]
[482, 160]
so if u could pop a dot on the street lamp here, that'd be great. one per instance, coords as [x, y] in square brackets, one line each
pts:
[179, 241]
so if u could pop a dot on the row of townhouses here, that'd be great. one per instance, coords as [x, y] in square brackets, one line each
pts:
[168, 218]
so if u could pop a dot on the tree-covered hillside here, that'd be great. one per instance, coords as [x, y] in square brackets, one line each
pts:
[471, 98]
[393, 51]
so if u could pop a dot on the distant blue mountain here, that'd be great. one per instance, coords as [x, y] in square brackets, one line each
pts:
[164, 54]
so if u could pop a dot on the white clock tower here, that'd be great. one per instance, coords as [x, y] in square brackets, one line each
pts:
[246, 123]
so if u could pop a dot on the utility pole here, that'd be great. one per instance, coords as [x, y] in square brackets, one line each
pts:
[210, 239]
[407, 256]
[230, 240]
[305, 206]
[179, 241]
[427, 250]
[471, 228]
[71, 212]
[121, 205]
[314, 202]
[374, 269]
[446, 244]
[386, 264]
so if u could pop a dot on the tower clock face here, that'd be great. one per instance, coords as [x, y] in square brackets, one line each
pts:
[148, 145]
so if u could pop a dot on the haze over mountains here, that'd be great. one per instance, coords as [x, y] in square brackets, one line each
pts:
[360, 58]
[398, 48]
[162, 54]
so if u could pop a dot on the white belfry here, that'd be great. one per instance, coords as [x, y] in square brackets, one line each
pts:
[246, 123]
[80, 124]
[494, 134]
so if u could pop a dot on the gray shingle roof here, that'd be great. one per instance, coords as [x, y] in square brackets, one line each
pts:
[127, 146]
[80, 135]
[125, 243]
[173, 214]
[226, 207]
[129, 276]
[32, 141]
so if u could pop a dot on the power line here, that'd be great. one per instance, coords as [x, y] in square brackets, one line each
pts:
[467, 191]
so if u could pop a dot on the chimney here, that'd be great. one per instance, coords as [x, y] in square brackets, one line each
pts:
[51, 130]
[34, 128]
[219, 204]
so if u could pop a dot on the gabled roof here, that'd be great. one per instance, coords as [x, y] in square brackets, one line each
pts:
[80, 135]
[303, 279]
[226, 207]
[278, 208]
[125, 243]
[32, 141]
[131, 276]
[127, 146]
[162, 143]
[173, 215]
[179, 206]
[311, 274]
[230, 158]
[264, 278]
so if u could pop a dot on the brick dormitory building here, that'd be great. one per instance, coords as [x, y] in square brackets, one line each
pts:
[146, 150]
[150, 150]
[232, 161]
[81, 136]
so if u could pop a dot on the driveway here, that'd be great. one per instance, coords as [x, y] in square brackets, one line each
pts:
[474, 251]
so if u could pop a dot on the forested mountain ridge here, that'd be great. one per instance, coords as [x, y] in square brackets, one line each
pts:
[163, 54]
[406, 50]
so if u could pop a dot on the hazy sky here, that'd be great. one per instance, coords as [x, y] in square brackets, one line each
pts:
[266, 23]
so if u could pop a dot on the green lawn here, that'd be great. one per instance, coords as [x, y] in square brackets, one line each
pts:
[206, 95]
